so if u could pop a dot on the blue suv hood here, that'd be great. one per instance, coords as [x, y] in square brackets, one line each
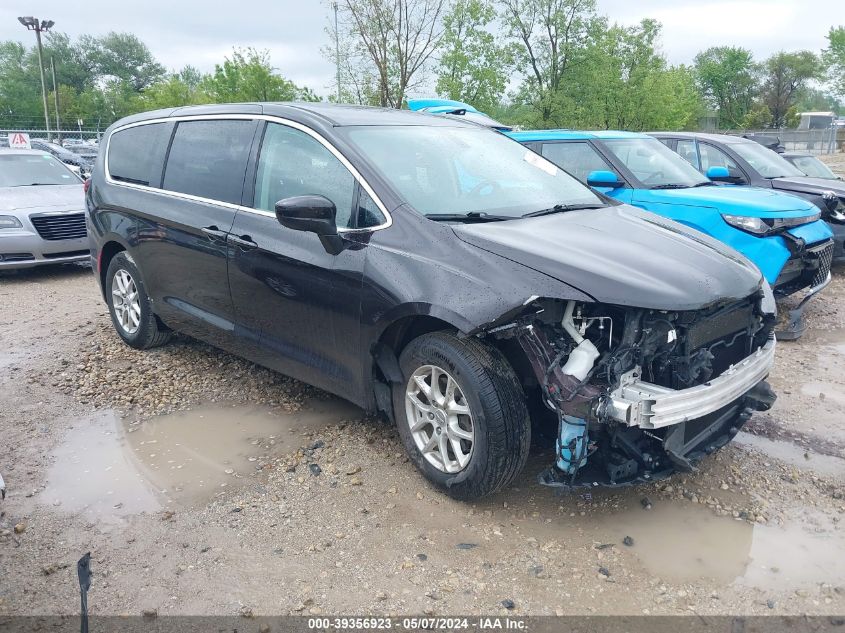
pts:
[745, 201]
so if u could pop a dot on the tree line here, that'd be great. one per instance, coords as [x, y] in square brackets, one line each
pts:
[101, 79]
[535, 63]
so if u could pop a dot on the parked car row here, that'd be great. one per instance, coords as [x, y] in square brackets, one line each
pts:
[79, 157]
[784, 235]
[443, 274]
[748, 163]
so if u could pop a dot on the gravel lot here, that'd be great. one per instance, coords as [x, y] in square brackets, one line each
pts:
[203, 484]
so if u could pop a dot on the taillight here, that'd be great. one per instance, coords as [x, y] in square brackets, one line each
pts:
[86, 185]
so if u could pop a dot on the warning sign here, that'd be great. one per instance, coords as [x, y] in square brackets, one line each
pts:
[19, 140]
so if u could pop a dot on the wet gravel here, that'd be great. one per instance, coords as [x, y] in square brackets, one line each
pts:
[108, 373]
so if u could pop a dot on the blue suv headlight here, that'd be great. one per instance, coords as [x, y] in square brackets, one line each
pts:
[767, 226]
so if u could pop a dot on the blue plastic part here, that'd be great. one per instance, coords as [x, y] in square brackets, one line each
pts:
[435, 106]
[532, 136]
[571, 444]
[717, 171]
[599, 177]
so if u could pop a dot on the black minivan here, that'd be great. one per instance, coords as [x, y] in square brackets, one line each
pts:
[440, 273]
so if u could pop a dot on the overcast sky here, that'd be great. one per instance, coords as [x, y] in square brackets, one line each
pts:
[201, 33]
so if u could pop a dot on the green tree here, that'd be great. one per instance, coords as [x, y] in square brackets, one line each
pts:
[759, 116]
[727, 77]
[834, 59]
[177, 89]
[786, 76]
[813, 99]
[20, 90]
[627, 84]
[125, 57]
[473, 65]
[388, 44]
[551, 39]
[248, 76]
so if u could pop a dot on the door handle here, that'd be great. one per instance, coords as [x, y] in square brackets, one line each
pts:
[214, 233]
[244, 241]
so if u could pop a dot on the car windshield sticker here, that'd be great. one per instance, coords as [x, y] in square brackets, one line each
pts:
[540, 163]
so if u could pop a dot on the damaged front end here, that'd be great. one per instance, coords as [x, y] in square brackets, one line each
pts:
[641, 393]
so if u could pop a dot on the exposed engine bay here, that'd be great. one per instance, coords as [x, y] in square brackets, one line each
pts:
[639, 393]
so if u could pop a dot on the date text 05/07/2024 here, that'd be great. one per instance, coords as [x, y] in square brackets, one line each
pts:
[419, 623]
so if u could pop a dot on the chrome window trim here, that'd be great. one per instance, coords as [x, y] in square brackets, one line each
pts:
[247, 117]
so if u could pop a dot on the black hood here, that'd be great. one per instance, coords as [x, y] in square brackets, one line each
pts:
[806, 184]
[623, 256]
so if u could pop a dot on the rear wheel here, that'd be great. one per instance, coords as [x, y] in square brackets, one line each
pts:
[130, 306]
[461, 414]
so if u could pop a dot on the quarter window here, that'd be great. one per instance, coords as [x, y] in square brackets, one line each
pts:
[136, 153]
[208, 159]
[293, 163]
[579, 159]
[368, 212]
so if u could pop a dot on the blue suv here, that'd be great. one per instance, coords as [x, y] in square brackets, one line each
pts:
[781, 233]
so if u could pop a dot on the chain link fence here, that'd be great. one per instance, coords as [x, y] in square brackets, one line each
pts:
[828, 140]
[72, 135]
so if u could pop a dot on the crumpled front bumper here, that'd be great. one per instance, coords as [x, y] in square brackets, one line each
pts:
[650, 406]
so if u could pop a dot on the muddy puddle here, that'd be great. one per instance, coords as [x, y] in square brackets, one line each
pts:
[681, 543]
[824, 391]
[794, 455]
[108, 468]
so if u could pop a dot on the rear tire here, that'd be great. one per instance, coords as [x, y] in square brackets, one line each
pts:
[130, 306]
[486, 403]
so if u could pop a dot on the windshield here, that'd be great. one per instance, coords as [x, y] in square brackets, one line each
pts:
[766, 162]
[812, 166]
[442, 170]
[654, 164]
[55, 150]
[22, 170]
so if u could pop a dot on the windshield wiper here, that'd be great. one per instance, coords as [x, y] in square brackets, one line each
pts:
[472, 216]
[671, 185]
[561, 208]
[706, 183]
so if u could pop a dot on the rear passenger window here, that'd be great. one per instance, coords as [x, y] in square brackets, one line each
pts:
[136, 153]
[579, 159]
[208, 159]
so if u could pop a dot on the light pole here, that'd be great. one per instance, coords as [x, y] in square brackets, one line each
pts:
[336, 49]
[32, 24]
[56, 101]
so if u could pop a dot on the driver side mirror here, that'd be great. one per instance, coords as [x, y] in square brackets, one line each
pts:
[604, 178]
[314, 214]
[725, 174]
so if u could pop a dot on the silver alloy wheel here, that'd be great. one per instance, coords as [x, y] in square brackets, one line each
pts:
[440, 419]
[125, 301]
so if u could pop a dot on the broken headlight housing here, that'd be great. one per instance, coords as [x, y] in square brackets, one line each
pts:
[835, 206]
[767, 226]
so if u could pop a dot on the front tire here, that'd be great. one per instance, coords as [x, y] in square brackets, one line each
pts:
[461, 414]
[130, 306]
